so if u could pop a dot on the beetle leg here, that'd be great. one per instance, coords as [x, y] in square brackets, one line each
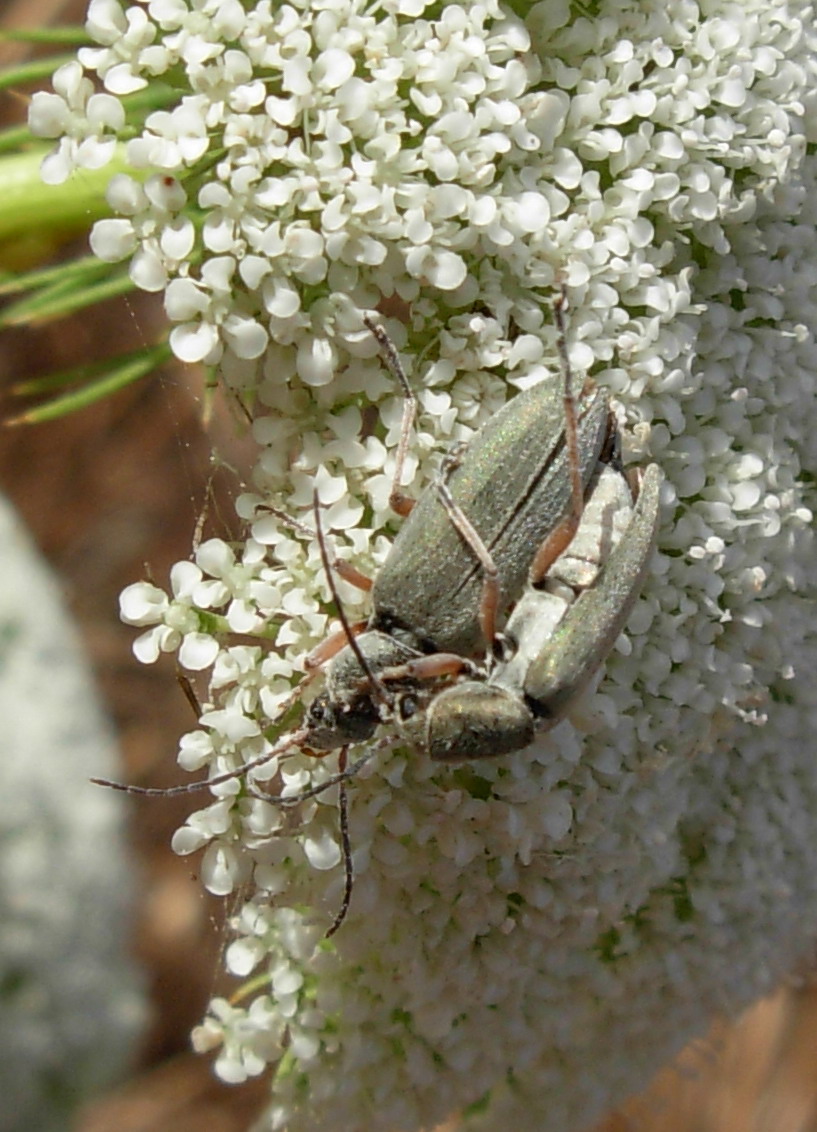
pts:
[430, 667]
[560, 537]
[489, 601]
[351, 574]
[344, 569]
[330, 646]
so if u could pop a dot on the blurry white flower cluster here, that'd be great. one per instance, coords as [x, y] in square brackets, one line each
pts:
[528, 939]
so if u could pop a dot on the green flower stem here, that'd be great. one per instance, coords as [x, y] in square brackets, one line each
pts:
[32, 71]
[74, 36]
[36, 218]
[117, 374]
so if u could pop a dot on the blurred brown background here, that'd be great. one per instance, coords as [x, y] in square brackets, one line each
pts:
[116, 491]
[110, 495]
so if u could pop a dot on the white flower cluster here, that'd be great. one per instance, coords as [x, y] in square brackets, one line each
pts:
[528, 938]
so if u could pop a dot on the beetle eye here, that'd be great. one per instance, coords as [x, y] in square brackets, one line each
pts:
[319, 710]
[406, 706]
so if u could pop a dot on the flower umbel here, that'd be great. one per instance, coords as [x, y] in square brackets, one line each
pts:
[515, 923]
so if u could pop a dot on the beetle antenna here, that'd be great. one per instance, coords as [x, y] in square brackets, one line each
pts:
[342, 776]
[294, 740]
[398, 500]
[376, 684]
[346, 846]
[570, 414]
[294, 525]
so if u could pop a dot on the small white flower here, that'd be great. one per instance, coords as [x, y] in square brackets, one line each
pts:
[176, 622]
[159, 237]
[85, 123]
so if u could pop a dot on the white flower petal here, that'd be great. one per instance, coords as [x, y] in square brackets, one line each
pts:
[148, 647]
[221, 870]
[193, 342]
[147, 270]
[112, 240]
[245, 336]
[198, 651]
[322, 851]
[48, 115]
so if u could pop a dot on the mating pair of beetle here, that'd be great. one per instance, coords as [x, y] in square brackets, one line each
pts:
[535, 516]
[504, 591]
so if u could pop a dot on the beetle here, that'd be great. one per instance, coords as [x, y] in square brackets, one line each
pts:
[486, 543]
[503, 508]
[491, 540]
[558, 634]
